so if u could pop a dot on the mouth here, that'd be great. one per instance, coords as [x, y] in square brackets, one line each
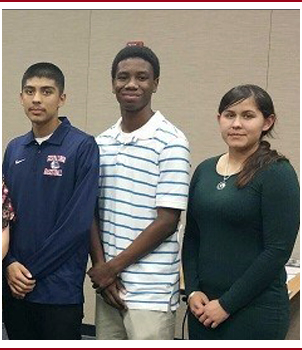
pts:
[235, 135]
[35, 110]
[130, 95]
[130, 98]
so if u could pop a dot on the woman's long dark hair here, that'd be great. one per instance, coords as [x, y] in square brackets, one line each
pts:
[264, 155]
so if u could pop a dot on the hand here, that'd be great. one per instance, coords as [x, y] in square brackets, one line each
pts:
[102, 275]
[19, 280]
[111, 295]
[197, 303]
[213, 314]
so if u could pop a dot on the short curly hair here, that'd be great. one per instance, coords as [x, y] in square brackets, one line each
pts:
[135, 51]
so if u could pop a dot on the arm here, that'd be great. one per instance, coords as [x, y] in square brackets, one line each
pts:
[197, 300]
[96, 249]
[191, 242]
[111, 294]
[280, 213]
[210, 313]
[7, 217]
[161, 228]
[72, 227]
[18, 277]
[190, 253]
[5, 241]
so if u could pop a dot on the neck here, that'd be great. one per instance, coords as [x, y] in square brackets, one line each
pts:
[134, 120]
[239, 156]
[42, 130]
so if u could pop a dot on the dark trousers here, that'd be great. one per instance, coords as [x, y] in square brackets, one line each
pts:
[32, 321]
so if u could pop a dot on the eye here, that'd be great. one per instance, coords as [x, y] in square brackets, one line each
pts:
[248, 116]
[47, 92]
[229, 115]
[28, 91]
[142, 78]
[121, 77]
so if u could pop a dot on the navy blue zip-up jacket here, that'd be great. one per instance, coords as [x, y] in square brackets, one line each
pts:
[53, 187]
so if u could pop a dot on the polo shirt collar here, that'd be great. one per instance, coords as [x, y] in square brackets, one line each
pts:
[56, 138]
[145, 132]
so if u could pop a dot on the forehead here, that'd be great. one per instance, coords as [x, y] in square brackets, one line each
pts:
[247, 104]
[38, 82]
[134, 64]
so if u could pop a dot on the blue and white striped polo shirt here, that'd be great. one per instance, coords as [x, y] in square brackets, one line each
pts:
[139, 172]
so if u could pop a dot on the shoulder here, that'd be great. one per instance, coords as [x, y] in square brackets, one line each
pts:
[79, 139]
[80, 134]
[278, 178]
[82, 145]
[169, 131]
[205, 167]
[106, 135]
[207, 164]
[18, 141]
[281, 169]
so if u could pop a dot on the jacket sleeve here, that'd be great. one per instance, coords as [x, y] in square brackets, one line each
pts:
[73, 226]
[190, 250]
[280, 221]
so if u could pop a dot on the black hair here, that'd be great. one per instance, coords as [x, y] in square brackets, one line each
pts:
[134, 51]
[45, 70]
[264, 155]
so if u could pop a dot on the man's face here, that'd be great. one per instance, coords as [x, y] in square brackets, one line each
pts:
[134, 84]
[41, 100]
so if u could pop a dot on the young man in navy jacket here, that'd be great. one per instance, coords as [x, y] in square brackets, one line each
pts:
[52, 175]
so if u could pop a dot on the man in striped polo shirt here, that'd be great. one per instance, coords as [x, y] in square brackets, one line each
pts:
[143, 188]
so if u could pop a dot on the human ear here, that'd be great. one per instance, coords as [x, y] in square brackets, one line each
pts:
[268, 122]
[155, 85]
[112, 86]
[62, 100]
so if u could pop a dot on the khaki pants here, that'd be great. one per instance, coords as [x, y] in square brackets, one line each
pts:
[112, 324]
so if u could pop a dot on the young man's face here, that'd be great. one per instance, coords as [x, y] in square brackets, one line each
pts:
[134, 84]
[41, 100]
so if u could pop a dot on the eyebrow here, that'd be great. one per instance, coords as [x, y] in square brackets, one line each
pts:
[245, 111]
[40, 87]
[145, 71]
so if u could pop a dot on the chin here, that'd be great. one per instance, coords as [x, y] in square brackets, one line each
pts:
[132, 108]
[236, 145]
[36, 120]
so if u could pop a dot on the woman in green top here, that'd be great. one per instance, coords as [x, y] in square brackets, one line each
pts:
[242, 222]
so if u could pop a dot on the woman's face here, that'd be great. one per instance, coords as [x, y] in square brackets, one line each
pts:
[242, 124]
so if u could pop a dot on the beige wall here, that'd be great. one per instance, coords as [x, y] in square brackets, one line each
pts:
[203, 53]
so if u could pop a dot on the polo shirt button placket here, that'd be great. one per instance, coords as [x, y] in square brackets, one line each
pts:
[36, 161]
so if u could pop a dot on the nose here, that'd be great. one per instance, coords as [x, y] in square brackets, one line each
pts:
[36, 97]
[236, 122]
[131, 83]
